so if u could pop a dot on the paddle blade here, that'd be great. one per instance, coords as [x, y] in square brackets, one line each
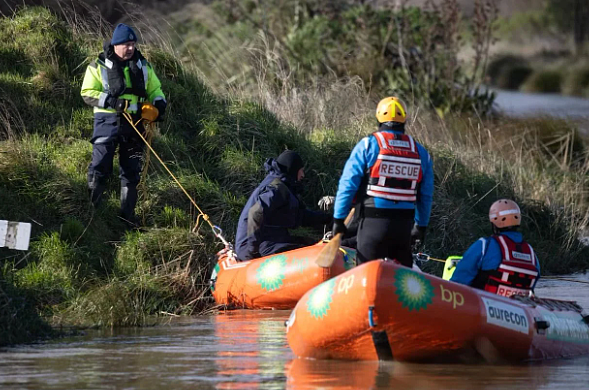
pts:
[328, 254]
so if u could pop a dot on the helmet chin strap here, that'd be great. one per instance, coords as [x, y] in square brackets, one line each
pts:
[497, 230]
[397, 126]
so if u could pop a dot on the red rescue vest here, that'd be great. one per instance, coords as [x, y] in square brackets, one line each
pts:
[397, 171]
[517, 271]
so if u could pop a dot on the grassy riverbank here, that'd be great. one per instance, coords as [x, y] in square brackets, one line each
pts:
[85, 269]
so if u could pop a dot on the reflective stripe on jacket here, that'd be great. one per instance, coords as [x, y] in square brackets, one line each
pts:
[95, 88]
[482, 257]
[397, 171]
[517, 272]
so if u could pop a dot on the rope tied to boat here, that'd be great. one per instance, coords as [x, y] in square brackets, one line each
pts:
[217, 231]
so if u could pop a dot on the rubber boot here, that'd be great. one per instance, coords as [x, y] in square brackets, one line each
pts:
[95, 190]
[128, 202]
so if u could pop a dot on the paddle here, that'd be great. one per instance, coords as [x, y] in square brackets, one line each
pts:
[327, 256]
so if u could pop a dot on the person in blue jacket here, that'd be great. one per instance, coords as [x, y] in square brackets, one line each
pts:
[504, 263]
[391, 176]
[273, 208]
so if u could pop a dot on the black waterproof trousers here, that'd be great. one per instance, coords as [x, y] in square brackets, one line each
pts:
[385, 233]
[112, 131]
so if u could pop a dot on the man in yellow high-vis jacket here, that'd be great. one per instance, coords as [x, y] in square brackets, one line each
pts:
[119, 80]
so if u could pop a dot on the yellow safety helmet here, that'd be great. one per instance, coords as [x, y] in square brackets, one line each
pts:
[391, 109]
[505, 213]
[149, 112]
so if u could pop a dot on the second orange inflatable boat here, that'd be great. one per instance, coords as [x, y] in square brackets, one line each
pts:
[381, 310]
[276, 281]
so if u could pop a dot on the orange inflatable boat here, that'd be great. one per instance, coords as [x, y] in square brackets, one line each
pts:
[381, 310]
[273, 282]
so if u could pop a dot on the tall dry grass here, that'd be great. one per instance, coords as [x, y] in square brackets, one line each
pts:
[542, 163]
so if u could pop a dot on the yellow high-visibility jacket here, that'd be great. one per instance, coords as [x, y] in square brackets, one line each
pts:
[95, 86]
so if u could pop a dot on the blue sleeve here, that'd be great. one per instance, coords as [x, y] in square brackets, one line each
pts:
[352, 175]
[423, 206]
[468, 268]
[538, 268]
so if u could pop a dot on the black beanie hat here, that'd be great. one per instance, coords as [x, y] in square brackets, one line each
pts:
[290, 162]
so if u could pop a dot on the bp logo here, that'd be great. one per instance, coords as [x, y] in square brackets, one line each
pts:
[270, 275]
[319, 301]
[213, 279]
[415, 292]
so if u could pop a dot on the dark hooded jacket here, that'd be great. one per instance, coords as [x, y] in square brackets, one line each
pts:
[272, 209]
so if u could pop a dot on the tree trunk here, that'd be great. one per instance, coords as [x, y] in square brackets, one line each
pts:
[580, 24]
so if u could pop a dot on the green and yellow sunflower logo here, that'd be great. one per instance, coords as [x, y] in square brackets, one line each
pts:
[319, 301]
[270, 275]
[415, 292]
[213, 279]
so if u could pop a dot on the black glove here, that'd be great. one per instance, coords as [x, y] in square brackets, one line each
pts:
[161, 107]
[418, 234]
[339, 226]
[118, 104]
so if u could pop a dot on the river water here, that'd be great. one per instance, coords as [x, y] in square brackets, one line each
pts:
[522, 104]
[248, 350]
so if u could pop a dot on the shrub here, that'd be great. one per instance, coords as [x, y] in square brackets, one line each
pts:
[576, 81]
[19, 320]
[508, 72]
[543, 81]
[410, 51]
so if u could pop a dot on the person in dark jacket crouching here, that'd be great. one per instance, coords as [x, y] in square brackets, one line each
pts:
[273, 208]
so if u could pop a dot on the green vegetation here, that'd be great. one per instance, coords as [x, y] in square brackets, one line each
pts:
[543, 81]
[559, 75]
[576, 82]
[292, 44]
[508, 72]
[19, 318]
[85, 269]
[543, 49]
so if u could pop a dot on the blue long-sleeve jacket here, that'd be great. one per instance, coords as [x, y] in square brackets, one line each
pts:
[362, 158]
[484, 255]
[270, 211]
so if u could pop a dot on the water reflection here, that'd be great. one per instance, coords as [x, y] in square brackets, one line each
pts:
[339, 375]
[251, 349]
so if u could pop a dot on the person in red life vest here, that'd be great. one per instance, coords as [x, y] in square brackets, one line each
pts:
[504, 263]
[390, 177]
